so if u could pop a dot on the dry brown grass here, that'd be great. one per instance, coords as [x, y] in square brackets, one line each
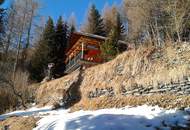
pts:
[52, 92]
[7, 100]
[143, 66]
[9, 90]
[22, 86]
[19, 123]
[139, 67]
[167, 101]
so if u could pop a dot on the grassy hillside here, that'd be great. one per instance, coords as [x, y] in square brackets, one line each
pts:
[145, 66]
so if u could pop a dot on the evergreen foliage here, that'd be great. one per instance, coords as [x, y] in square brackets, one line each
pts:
[112, 18]
[44, 52]
[109, 48]
[119, 27]
[72, 28]
[95, 23]
[50, 49]
[2, 24]
[39, 62]
[61, 37]
[49, 40]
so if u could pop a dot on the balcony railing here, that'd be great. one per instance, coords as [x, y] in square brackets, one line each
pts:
[74, 63]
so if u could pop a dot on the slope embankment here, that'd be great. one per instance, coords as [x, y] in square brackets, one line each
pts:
[147, 75]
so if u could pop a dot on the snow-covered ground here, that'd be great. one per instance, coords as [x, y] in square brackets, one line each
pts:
[127, 118]
[30, 112]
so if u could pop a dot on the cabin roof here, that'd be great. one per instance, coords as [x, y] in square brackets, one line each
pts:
[75, 36]
[96, 36]
[91, 35]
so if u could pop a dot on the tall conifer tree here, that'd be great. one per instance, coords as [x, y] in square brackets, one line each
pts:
[119, 27]
[44, 53]
[61, 36]
[51, 49]
[109, 48]
[94, 23]
[2, 23]
[112, 19]
[49, 39]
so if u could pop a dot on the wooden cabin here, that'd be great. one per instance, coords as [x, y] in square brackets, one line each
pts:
[84, 51]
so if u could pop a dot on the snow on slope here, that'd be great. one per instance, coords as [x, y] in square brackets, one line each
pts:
[127, 118]
[30, 112]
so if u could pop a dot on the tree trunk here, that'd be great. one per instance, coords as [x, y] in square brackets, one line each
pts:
[17, 56]
[178, 36]
[29, 30]
[19, 45]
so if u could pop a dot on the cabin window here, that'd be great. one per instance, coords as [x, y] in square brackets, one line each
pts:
[92, 47]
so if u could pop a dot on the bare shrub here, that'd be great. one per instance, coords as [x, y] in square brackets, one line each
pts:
[7, 99]
[22, 85]
[14, 92]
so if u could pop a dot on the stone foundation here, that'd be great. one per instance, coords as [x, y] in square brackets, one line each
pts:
[178, 88]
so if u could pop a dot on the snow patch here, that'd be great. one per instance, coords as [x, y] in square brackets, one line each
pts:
[127, 118]
[30, 112]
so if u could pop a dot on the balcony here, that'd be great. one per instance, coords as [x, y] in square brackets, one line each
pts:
[74, 63]
[88, 58]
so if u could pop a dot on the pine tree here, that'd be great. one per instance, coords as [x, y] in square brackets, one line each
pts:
[51, 49]
[39, 62]
[94, 23]
[119, 27]
[113, 20]
[107, 18]
[61, 36]
[116, 30]
[49, 39]
[44, 53]
[2, 25]
[109, 48]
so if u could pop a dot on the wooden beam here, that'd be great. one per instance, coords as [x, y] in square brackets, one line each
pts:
[90, 41]
[82, 50]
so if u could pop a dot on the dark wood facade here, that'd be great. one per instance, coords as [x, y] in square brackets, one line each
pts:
[84, 51]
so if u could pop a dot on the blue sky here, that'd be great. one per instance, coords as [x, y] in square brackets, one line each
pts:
[65, 8]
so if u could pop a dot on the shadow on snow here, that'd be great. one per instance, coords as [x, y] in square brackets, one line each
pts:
[127, 122]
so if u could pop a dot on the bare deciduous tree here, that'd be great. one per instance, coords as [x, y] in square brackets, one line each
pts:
[156, 20]
[19, 30]
[20, 21]
[179, 11]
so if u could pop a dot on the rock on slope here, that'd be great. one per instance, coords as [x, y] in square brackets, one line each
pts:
[136, 70]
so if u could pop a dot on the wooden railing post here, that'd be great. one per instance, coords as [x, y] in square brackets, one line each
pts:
[82, 51]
